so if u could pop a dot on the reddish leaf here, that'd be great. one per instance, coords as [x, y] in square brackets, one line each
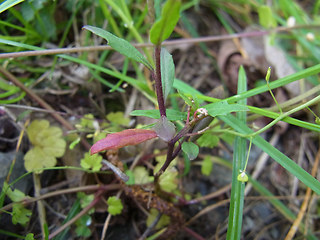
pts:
[122, 139]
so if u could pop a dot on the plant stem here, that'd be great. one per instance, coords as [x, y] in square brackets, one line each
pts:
[79, 215]
[40, 205]
[158, 81]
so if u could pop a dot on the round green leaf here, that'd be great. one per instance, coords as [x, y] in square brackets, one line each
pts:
[191, 149]
[114, 205]
[37, 158]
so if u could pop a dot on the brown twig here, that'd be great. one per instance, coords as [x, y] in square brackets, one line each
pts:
[63, 191]
[165, 43]
[304, 205]
[79, 215]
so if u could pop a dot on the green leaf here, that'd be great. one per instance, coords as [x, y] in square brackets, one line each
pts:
[163, 221]
[82, 229]
[223, 108]
[85, 200]
[16, 195]
[20, 214]
[168, 180]
[36, 158]
[48, 145]
[120, 45]
[118, 118]
[172, 115]
[238, 164]
[141, 175]
[190, 99]
[163, 28]
[266, 18]
[191, 149]
[91, 162]
[30, 236]
[206, 166]
[167, 72]
[87, 121]
[208, 140]
[114, 206]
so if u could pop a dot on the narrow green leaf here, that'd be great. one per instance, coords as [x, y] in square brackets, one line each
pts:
[163, 28]
[239, 159]
[191, 149]
[8, 4]
[167, 72]
[266, 18]
[274, 153]
[223, 108]
[172, 115]
[120, 45]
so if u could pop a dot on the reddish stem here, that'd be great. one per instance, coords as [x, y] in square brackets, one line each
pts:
[158, 82]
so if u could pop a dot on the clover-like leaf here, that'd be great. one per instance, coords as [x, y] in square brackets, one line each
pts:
[30, 236]
[118, 118]
[122, 139]
[82, 229]
[20, 214]
[87, 121]
[48, 145]
[91, 162]
[114, 206]
[37, 158]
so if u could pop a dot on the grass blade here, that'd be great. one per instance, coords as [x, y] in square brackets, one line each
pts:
[239, 159]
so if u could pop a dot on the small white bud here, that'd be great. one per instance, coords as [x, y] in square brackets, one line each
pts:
[291, 21]
[310, 37]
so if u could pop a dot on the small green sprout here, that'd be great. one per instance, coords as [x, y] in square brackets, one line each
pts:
[206, 166]
[91, 162]
[114, 206]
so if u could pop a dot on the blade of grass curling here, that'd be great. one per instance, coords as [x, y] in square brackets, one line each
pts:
[239, 159]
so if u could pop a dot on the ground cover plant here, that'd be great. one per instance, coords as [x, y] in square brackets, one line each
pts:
[160, 134]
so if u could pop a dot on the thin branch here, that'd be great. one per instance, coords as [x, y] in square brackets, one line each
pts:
[141, 45]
